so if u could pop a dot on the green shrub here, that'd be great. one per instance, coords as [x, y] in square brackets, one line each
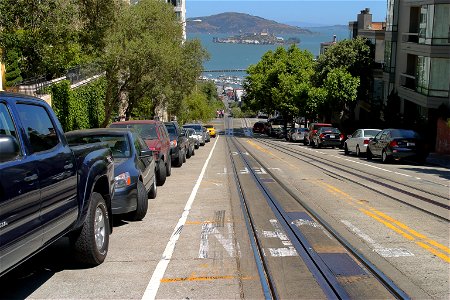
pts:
[81, 108]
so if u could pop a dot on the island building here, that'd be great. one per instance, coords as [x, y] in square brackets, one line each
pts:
[325, 45]
[416, 71]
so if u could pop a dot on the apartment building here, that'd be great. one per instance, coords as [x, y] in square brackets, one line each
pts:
[374, 32]
[180, 11]
[417, 57]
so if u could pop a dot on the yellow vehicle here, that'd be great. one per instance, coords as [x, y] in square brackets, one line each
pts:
[211, 129]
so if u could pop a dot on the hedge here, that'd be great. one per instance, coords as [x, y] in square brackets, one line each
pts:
[80, 108]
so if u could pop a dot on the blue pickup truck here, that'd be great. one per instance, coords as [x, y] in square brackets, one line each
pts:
[48, 189]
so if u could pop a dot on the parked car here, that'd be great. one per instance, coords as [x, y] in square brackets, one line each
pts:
[47, 189]
[155, 135]
[297, 134]
[258, 127]
[192, 141]
[134, 167]
[358, 141]
[397, 144]
[312, 129]
[200, 135]
[207, 135]
[178, 143]
[327, 137]
[211, 130]
[275, 127]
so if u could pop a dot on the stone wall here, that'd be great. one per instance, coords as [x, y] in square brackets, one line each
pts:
[443, 136]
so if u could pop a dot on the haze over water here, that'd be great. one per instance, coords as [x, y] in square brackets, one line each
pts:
[240, 56]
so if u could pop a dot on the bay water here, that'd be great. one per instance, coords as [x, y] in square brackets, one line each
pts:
[240, 56]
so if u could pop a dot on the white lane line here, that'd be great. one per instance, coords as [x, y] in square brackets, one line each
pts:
[382, 251]
[158, 274]
[227, 242]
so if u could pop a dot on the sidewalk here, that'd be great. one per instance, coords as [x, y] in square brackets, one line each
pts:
[442, 160]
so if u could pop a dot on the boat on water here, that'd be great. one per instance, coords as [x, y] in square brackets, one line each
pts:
[262, 38]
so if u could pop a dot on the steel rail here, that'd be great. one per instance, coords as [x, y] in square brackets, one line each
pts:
[326, 280]
[379, 182]
[386, 281]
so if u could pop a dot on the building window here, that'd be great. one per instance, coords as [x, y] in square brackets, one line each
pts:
[434, 28]
[433, 76]
[389, 56]
[392, 15]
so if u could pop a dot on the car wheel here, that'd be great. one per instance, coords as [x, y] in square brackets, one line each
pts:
[358, 151]
[153, 190]
[169, 168]
[91, 242]
[179, 161]
[142, 203]
[184, 155]
[384, 157]
[346, 152]
[197, 146]
[189, 153]
[193, 151]
[161, 173]
[369, 154]
[305, 142]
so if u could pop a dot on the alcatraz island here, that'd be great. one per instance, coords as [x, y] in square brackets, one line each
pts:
[262, 38]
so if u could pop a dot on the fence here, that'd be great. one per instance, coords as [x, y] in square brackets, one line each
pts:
[78, 75]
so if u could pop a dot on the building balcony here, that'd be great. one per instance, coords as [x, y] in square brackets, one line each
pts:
[410, 37]
[410, 82]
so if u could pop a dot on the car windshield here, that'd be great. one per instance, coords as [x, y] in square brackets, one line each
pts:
[171, 129]
[400, 133]
[146, 131]
[118, 144]
[371, 133]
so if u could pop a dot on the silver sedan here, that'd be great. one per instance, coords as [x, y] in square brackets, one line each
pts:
[358, 141]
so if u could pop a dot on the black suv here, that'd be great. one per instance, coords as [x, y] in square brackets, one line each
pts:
[178, 143]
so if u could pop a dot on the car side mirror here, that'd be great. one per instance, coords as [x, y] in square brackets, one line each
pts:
[9, 147]
[146, 153]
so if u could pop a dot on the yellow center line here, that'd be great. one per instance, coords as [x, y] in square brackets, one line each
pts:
[379, 216]
[412, 231]
[434, 251]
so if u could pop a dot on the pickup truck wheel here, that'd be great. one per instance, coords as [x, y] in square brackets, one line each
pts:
[169, 168]
[161, 173]
[142, 203]
[92, 240]
[153, 190]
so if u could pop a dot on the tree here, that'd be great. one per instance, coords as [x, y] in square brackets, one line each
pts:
[12, 74]
[341, 88]
[281, 81]
[146, 60]
[44, 34]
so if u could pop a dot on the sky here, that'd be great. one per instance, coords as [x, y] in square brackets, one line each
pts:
[312, 12]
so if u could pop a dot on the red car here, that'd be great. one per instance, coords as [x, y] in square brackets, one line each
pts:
[155, 135]
[258, 127]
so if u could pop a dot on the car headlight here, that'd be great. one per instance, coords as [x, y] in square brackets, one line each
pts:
[173, 143]
[122, 180]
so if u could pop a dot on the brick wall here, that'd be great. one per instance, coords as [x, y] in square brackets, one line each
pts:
[443, 137]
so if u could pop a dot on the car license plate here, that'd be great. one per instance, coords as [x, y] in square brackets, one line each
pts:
[332, 136]
[410, 144]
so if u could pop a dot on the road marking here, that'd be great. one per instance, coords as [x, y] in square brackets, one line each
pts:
[224, 172]
[158, 273]
[303, 222]
[391, 223]
[206, 278]
[283, 252]
[280, 234]
[227, 243]
[382, 251]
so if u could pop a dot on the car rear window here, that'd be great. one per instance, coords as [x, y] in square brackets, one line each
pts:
[370, 133]
[146, 131]
[197, 128]
[329, 129]
[400, 133]
[118, 144]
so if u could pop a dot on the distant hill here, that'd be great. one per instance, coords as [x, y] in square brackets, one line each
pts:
[235, 23]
